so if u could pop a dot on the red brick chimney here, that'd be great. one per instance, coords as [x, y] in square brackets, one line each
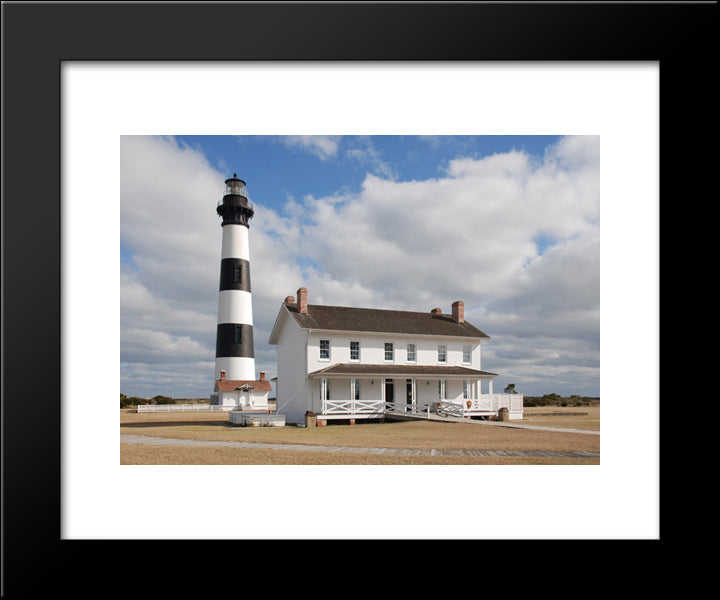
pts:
[302, 300]
[222, 375]
[436, 311]
[458, 311]
[262, 375]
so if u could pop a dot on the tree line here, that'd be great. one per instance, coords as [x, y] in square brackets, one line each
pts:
[554, 399]
[126, 401]
[557, 400]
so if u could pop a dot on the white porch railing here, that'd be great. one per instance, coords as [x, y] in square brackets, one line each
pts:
[352, 407]
[407, 409]
[486, 403]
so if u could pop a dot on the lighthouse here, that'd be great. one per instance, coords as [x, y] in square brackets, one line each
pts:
[236, 384]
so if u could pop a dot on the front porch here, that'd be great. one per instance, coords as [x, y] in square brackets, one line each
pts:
[346, 392]
[487, 406]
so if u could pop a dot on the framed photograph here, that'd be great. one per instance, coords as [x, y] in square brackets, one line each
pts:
[632, 74]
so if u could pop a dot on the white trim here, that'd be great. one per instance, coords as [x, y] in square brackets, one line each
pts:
[386, 334]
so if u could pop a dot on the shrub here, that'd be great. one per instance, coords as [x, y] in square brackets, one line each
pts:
[162, 400]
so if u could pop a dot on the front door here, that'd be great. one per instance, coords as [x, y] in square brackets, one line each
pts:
[409, 392]
[389, 390]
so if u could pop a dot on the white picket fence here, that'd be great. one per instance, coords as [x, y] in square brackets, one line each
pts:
[181, 407]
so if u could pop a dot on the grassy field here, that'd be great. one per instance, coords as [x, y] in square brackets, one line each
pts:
[411, 434]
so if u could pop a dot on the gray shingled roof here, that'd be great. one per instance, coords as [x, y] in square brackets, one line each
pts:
[404, 370]
[373, 320]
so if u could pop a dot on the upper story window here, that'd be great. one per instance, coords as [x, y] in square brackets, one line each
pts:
[324, 349]
[411, 353]
[354, 350]
[442, 353]
[389, 351]
[467, 354]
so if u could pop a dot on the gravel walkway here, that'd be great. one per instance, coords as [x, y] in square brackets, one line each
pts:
[163, 441]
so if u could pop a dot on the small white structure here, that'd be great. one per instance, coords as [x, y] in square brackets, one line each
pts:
[240, 394]
[358, 363]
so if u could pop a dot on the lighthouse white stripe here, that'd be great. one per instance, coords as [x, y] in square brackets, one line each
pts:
[235, 306]
[235, 242]
[235, 367]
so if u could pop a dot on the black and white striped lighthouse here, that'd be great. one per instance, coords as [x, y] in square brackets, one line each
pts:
[234, 352]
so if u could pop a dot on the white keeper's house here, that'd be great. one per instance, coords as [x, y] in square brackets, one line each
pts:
[361, 363]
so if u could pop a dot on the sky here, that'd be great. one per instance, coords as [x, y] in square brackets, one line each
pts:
[510, 225]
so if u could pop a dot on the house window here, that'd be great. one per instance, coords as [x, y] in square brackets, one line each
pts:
[467, 354]
[354, 350]
[238, 334]
[238, 274]
[442, 353]
[324, 349]
[324, 390]
[389, 351]
[441, 390]
[411, 355]
[355, 389]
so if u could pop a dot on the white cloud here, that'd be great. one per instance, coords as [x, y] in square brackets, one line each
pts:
[468, 234]
[322, 146]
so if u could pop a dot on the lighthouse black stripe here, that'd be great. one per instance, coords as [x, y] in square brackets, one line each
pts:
[234, 339]
[234, 274]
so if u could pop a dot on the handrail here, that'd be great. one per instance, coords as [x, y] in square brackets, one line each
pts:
[407, 409]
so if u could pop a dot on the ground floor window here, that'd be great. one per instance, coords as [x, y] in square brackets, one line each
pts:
[324, 389]
[442, 390]
[355, 389]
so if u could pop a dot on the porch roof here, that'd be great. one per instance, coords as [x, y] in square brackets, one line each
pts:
[401, 370]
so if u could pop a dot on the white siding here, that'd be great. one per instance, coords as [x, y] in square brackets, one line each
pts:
[372, 350]
[293, 395]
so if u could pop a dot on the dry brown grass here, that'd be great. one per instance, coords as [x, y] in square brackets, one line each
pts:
[139, 454]
[584, 417]
[211, 426]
